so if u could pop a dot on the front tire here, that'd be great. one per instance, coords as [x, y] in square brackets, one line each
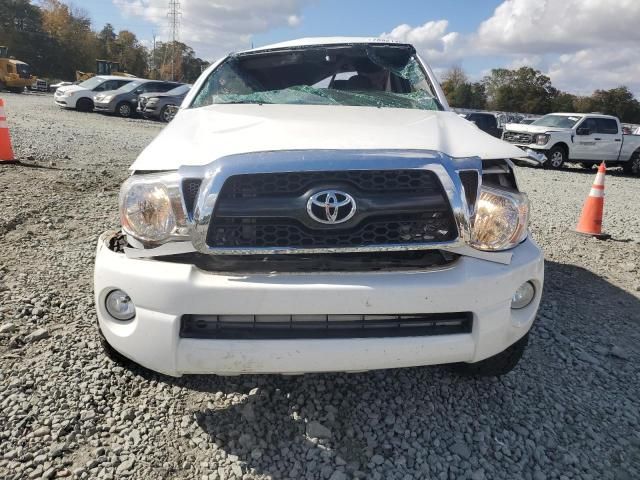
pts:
[165, 114]
[84, 105]
[632, 167]
[124, 109]
[498, 365]
[556, 158]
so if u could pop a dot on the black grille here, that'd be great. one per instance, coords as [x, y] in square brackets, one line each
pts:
[404, 260]
[264, 233]
[190, 188]
[297, 183]
[273, 327]
[393, 207]
[516, 137]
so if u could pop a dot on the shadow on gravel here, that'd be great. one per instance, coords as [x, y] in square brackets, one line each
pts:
[574, 168]
[34, 165]
[572, 390]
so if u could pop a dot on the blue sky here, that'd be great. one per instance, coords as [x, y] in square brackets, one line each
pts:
[580, 44]
[326, 17]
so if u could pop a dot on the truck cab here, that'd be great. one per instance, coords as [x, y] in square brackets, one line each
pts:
[14, 74]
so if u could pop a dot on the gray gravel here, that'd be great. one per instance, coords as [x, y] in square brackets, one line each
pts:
[570, 410]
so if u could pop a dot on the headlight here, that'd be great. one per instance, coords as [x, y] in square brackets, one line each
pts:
[106, 99]
[501, 219]
[151, 208]
[152, 101]
[541, 138]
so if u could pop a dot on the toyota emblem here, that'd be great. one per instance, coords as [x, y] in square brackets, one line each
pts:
[331, 207]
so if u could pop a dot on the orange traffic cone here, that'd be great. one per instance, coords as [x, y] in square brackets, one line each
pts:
[6, 152]
[590, 222]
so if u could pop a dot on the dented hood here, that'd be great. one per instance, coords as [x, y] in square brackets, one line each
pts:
[201, 135]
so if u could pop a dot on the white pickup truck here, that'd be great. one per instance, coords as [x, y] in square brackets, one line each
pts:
[577, 137]
[315, 206]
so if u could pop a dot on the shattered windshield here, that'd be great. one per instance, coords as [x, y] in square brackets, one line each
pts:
[557, 121]
[368, 75]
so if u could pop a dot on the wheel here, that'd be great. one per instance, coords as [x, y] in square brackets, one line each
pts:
[632, 167]
[15, 89]
[84, 105]
[498, 365]
[586, 165]
[166, 114]
[2, 86]
[124, 109]
[556, 158]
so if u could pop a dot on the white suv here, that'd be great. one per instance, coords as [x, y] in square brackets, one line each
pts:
[80, 96]
[315, 206]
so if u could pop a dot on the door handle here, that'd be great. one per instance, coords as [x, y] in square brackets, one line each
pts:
[597, 138]
[618, 140]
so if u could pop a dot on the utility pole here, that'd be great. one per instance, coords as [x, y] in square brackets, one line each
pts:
[152, 63]
[174, 24]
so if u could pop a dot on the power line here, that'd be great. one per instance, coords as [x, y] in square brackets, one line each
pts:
[174, 24]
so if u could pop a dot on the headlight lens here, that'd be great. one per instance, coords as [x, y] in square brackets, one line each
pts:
[541, 138]
[500, 221]
[152, 101]
[151, 208]
[107, 98]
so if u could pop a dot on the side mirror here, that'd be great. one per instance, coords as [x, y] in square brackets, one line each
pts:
[583, 131]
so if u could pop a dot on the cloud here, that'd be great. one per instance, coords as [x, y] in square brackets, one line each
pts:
[581, 44]
[558, 26]
[584, 71]
[433, 41]
[214, 29]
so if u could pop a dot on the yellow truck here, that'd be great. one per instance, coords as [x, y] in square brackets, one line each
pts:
[14, 74]
[103, 67]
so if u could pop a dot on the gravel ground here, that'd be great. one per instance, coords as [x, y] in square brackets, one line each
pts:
[570, 410]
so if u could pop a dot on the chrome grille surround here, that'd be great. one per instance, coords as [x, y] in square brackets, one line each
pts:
[518, 137]
[216, 174]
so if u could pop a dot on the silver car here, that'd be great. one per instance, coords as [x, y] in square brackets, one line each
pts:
[162, 106]
[124, 101]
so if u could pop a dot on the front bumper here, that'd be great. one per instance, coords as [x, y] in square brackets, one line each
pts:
[533, 154]
[163, 292]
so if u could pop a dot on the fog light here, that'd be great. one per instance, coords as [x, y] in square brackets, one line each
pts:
[523, 296]
[119, 305]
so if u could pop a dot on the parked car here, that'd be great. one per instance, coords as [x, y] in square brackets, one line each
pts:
[39, 85]
[124, 101]
[80, 96]
[486, 122]
[159, 105]
[577, 137]
[316, 206]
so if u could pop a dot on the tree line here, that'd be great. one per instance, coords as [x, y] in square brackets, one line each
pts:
[57, 40]
[527, 90]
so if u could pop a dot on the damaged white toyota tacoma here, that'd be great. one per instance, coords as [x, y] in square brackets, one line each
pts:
[315, 207]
